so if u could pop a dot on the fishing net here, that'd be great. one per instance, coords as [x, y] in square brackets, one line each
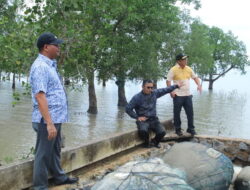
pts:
[242, 181]
[206, 168]
[152, 174]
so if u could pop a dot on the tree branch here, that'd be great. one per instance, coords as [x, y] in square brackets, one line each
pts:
[223, 73]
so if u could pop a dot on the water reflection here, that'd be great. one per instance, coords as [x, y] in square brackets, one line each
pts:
[222, 112]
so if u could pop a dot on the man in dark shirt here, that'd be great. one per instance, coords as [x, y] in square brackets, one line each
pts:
[142, 107]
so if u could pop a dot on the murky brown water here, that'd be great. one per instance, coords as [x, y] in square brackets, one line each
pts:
[224, 111]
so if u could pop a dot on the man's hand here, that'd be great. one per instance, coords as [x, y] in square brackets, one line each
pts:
[180, 84]
[52, 132]
[172, 94]
[142, 118]
[44, 109]
[197, 81]
[199, 88]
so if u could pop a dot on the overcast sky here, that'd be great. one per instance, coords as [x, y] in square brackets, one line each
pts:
[228, 15]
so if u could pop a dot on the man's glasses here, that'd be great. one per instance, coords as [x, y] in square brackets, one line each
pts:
[150, 87]
[54, 45]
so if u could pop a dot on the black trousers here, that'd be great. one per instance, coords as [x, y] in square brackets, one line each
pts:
[47, 157]
[144, 127]
[187, 104]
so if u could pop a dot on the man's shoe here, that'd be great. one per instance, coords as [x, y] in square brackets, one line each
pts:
[147, 145]
[179, 133]
[192, 132]
[155, 143]
[69, 180]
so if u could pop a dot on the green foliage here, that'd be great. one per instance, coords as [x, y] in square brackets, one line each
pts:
[16, 50]
[228, 52]
[199, 48]
[27, 88]
[31, 153]
[16, 97]
[121, 40]
[8, 159]
[213, 52]
[111, 36]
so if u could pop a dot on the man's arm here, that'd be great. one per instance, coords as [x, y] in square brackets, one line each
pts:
[162, 91]
[130, 108]
[172, 94]
[43, 108]
[197, 81]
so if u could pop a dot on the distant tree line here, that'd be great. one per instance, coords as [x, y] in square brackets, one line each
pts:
[115, 40]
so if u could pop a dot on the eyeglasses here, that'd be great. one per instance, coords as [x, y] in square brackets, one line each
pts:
[55, 45]
[150, 87]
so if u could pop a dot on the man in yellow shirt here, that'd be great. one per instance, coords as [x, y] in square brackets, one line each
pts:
[181, 73]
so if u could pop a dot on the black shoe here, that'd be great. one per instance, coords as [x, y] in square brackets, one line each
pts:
[192, 132]
[69, 180]
[179, 132]
[147, 145]
[155, 143]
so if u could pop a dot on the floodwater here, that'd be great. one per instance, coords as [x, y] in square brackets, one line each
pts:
[223, 111]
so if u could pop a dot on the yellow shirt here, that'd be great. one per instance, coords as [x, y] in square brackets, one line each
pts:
[178, 74]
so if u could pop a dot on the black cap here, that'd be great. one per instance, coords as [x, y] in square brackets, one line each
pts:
[47, 38]
[181, 56]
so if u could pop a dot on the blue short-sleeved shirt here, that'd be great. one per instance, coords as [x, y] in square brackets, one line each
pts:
[45, 78]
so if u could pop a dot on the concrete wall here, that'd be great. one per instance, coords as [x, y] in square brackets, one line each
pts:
[19, 175]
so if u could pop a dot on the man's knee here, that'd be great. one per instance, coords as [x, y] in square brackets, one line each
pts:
[143, 133]
[161, 133]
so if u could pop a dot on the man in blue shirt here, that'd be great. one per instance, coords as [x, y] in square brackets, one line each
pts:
[49, 112]
[144, 104]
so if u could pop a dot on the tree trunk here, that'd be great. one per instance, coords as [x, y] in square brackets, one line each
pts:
[155, 84]
[92, 96]
[14, 81]
[211, 82]
[122, 101]
[66, 81]
[8, 76]
[0, 75]
[103, 83]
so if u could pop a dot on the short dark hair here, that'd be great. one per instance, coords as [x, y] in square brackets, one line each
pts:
[146, 81]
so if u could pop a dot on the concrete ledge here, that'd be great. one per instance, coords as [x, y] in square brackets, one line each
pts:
[16, 176]
[19, 175]
[86, 154]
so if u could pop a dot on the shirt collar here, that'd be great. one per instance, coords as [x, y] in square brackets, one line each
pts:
[177, 64]
[146, 94]
[50, 62]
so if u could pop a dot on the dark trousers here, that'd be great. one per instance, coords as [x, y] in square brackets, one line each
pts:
[47, 157]
[187, 104]
[150, 125]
